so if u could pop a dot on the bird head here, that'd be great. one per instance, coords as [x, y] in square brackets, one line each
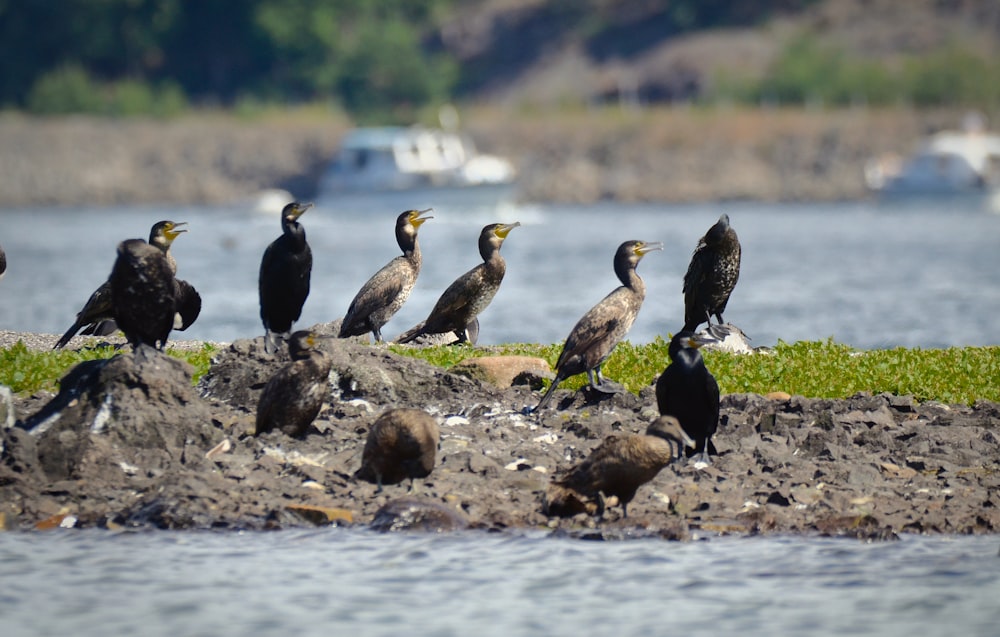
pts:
[415, 218]
[163, 233]
[669, 428]
[294, 210]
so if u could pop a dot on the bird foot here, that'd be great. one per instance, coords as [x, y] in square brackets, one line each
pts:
[701, 461]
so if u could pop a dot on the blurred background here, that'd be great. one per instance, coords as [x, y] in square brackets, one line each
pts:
[204, 101]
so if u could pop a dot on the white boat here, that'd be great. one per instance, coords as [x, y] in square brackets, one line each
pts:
[417, 166]
[962, 164]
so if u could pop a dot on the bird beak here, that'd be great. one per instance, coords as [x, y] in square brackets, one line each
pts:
[505, 229]
[645, 247]
[417, 220]
[687, 440]
[298, 211]
[175, 230]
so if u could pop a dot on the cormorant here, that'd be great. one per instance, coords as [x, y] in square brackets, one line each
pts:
[96, 318]
[401, 444]
[594, 336]
[689, 392]
[459, 306]
[284, 276]
[711, 275]
[291, 400]
[3, 262]
[382, 296]
[142, 294]
[618, 467]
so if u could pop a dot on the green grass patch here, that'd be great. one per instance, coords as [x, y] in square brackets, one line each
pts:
[817, 369]
[27, 371]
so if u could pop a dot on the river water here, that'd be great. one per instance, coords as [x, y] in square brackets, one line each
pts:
[349, 582]
[867, 275]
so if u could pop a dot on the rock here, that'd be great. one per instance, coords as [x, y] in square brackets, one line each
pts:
[410, 514]
[503, 370]
[322, 515]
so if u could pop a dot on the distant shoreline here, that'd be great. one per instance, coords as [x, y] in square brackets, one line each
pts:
[576, 156]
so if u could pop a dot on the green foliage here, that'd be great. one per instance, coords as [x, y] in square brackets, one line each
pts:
[68, 89]
[822, 369]
[27, 371]
[807, 71]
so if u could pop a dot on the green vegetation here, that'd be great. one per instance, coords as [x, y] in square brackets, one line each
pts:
[814, 369]
[807, 72]
[27, 371]
[818, 369]
[395, 60]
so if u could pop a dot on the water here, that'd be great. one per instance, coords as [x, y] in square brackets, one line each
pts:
[351, 582]
[868, 276]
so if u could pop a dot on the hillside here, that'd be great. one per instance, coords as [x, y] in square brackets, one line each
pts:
[539, 52]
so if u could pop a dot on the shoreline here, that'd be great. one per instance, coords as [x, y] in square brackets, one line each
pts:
[665, 155]
[131, 444]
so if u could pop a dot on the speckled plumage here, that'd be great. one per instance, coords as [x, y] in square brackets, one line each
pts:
[596, 334]
[618, 467]
[387, 290]
[470, 294]
[293, 397]
[142, 294]
[712, 275]
[402, 443]
[97, 316]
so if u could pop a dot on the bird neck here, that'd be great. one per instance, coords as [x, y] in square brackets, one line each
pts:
[630, 278]
[295, 233]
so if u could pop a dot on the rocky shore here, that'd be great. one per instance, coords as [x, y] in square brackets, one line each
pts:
[655, 155]
[132, 443]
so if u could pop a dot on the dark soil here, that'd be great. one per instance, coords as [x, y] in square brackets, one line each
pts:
[130, 443]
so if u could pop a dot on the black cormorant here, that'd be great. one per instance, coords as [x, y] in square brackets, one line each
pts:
[711, 275]
[96, 318]
[618, 467]
[142, 294]
[459, 306]
[689, 392]
[284, 277]
[291, 400]
[595, 335]
[382, 296]
[401, 444]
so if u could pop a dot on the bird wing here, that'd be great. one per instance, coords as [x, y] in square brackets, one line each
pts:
[376, 293]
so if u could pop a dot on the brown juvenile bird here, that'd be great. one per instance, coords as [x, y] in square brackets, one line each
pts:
[401, 444]
[386, 292]
[618, 467]
[711, 275]
[460, 304]
[291, 400]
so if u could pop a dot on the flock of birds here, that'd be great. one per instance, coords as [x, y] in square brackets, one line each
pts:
[144, 299]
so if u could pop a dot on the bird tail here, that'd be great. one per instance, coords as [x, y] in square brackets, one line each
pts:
[68, 336]
[411, 334]
[548, 394]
